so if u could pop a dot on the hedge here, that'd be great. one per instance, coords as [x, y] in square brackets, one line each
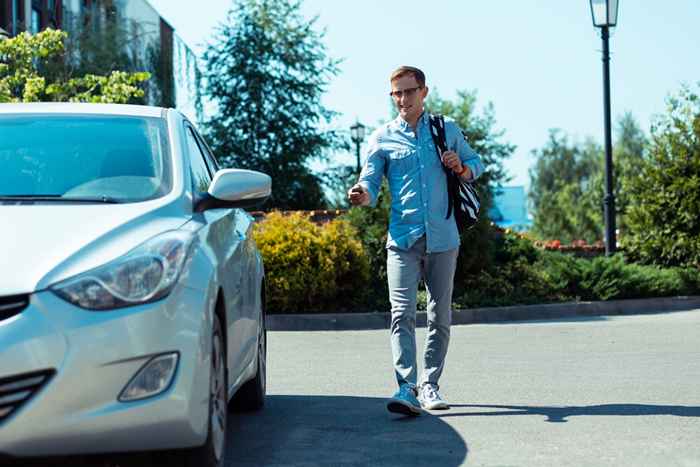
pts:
[340, 266]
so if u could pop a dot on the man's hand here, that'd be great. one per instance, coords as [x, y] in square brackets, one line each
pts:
[453, 162]
[358, 196]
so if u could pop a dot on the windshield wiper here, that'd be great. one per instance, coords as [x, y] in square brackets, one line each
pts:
[61, 198]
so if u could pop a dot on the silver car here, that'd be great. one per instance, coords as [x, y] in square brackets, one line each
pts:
[131, 290]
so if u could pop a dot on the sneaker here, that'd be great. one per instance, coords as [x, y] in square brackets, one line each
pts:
[430, 398]
[405, 402]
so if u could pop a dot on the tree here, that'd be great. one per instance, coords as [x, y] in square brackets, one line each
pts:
[266, 71]
[24, 58]
[559, 190]
[664, 214]
[568, 183]
[628, 152]
[482, 137]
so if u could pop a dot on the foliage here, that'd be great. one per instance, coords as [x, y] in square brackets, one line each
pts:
[525, 275]
[568, 183]
[311, 267]
[664, 218]
[481, 135]
[21, 80]
[101, 39]
[266, 70]
[371, 226]
[562, 205]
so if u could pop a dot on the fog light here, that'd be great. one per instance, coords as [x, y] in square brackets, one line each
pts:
[152, 379]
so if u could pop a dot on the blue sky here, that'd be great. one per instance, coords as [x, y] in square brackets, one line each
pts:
[537, 61]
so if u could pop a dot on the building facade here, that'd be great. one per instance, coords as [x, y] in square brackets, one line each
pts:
[177, 68]
[509, 210]
[30, 15]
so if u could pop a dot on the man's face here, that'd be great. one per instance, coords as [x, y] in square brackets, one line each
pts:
[408, 96]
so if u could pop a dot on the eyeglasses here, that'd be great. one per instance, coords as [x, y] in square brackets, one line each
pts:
[408, 92]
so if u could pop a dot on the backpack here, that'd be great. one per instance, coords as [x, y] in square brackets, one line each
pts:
[462, 197]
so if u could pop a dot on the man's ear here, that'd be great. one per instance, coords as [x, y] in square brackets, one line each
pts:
[425, 91]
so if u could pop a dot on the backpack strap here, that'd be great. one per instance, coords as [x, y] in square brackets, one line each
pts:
[437, 131]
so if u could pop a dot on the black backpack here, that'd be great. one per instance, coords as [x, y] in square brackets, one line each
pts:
[463, 198]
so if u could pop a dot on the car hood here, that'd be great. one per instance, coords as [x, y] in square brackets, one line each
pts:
[42, 244]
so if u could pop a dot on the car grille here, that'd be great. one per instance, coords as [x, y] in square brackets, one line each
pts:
[18, 389]
[12, 305]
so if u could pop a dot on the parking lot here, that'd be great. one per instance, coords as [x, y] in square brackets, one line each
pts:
[619, 391]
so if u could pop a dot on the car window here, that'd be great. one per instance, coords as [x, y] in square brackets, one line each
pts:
[65, 156]
[211, 160]
[201, 177]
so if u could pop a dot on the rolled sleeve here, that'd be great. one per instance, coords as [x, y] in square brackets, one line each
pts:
[466, 154]
[372, 172]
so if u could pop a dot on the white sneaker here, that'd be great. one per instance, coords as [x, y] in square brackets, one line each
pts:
[430, 398]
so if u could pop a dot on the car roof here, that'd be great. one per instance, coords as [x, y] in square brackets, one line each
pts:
[81, 108]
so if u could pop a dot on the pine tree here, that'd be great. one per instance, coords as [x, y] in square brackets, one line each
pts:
[266, 71]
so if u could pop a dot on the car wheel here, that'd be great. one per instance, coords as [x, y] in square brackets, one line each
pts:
[212, 453]
[251, 396]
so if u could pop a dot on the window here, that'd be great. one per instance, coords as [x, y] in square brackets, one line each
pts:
[36, 21]
[201, 178]
[210, 159]
[16, 18]
[84, 155]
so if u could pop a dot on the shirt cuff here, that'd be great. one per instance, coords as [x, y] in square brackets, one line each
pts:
[372, 194]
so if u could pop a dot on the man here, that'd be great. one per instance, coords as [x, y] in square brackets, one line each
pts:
[421, 242]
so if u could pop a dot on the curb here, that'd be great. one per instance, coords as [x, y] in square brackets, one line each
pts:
[382, 320]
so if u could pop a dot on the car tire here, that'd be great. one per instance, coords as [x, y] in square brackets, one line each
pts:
[213, 452]
[251, 396]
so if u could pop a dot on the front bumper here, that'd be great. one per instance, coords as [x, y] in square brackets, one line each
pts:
[92, 356]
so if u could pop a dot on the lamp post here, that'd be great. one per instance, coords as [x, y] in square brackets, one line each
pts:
[604, 13]
[357, 134]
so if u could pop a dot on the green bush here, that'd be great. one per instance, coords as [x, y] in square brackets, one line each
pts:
[609, 278]
[664, 220]
[522, 274]
[372, 225]
[310, 267]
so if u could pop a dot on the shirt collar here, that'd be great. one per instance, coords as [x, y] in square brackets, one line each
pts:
[405, 126]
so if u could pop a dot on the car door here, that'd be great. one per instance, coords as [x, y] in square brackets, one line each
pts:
[224, 245]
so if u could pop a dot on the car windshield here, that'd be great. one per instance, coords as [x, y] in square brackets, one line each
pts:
[83, 157]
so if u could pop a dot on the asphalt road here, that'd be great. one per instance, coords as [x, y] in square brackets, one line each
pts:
[622, 391]
[590, 392]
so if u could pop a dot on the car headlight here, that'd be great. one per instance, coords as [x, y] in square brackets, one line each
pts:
[145, 274]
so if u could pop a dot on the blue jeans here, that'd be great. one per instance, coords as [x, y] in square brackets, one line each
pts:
[405, 268]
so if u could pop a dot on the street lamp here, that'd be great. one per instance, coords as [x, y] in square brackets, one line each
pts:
[357, 134]
[604, 13]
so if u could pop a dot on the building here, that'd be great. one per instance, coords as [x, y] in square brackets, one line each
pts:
[30, 15]
[177, 71]
[509, 209]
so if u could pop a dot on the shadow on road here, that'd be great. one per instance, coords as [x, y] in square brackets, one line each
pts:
[339, 430]
[315, 431]
[560, 414]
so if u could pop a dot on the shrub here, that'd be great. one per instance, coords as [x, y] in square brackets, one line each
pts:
[664, 226]
[372, 225]
[523, 274]
[311, 267]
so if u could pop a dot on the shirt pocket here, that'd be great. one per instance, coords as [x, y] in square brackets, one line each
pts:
[402, 163]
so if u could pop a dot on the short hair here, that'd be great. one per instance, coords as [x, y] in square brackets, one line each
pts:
[405, 70]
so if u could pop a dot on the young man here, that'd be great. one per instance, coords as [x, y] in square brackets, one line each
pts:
[421, 242]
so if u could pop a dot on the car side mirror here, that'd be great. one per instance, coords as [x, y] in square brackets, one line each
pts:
[235, 188]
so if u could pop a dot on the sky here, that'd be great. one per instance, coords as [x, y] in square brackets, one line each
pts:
[537, 61]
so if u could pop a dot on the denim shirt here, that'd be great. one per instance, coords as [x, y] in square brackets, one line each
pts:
[417, 181]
